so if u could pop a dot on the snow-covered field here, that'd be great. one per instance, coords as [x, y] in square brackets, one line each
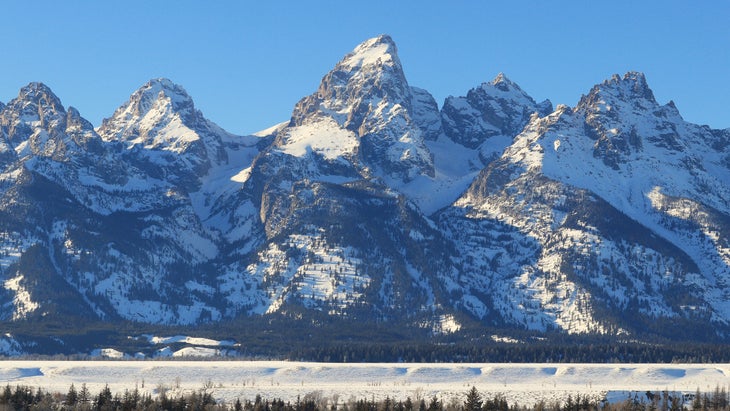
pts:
[228, 380]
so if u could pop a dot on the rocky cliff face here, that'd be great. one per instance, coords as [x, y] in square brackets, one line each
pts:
[497, 108]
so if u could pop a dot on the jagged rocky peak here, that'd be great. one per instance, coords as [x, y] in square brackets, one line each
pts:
[371, 72]
[35, 122]
[503, 87]
[621, 115]
[367, 96]
[503, 84]
[35, 105]
[40, 95]
[37, 125]
[497, 108]
[155, 101]
[162, 89]
[160, 116]
[617, 91]
[632, 84]
[375, 51]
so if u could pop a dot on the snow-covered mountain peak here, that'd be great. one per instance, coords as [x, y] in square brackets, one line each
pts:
[368, 77]
[501, 87]
[503, 83]
[367, 96]
[670, 110]
[631, 89]
[159, 115]
[36, 102]
[635, 82]
[375, 51]
[35, 91]
[157, 98]
[160, 119]
[35, 122]
[496, 108]
[603, 188]
[165, 88]
[501, 77]
[622, 117]
[628, 145]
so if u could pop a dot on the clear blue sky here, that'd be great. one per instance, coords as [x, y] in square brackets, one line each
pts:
[246, 63]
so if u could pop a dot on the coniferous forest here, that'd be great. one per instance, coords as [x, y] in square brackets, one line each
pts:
[336, 341]
[29, 398]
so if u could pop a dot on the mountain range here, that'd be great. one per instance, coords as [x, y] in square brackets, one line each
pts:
[370, 205]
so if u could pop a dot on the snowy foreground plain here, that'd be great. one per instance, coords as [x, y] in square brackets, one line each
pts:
[520, 383]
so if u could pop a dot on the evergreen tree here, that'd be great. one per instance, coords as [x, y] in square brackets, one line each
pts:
[7, 394]
[104, 399]
[84, 395]
[72, 398]
[38, 396]
[473, 400]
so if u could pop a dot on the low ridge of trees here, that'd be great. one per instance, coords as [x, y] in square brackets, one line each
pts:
[586, 351]
[27, 398]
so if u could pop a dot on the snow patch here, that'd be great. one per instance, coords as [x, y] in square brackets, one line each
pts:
[22, 301]
[324, 137]
[198, 352]
[108, 353]
[371, 52]
[506, 340]
[242, 176]
[189, 340]
[447, 324]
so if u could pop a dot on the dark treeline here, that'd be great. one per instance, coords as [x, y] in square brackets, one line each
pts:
[27, 398]
[534, 352]
[334, 340]
[338, 340]
[516, 353]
